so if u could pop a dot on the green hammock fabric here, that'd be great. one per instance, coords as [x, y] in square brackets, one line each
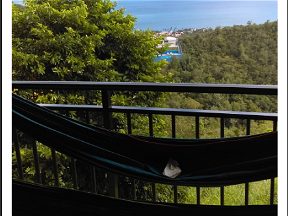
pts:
[204, 162]
[31, 199]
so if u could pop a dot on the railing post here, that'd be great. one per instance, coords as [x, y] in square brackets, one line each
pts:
[134, 197]
[153, 192]
[247, 183]
[275, 125]
[173, 126]
[222, 195]
[151, 134]
[197, 124]
[74, 173]
[129, 126]
[93, 179]
[246, 193]
[272, 189]
[222, 127]
[73, 165]
[197, 127]
[129, 123]
[54, 161]
[36, 161]
[92, 168]
[248, 127]
[18, 155]
[222, 188]
[198, 195]
[150, 125]
[175, 194]
[113, 184]
[107, 114]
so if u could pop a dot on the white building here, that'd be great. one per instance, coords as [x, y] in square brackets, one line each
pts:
[170, 41]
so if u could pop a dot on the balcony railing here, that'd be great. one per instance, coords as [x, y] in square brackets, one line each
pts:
[107, 109]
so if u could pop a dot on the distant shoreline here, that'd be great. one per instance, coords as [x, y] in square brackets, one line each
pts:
[207, 28]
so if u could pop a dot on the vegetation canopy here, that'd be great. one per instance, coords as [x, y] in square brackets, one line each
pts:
[81, 40]
[71, 40]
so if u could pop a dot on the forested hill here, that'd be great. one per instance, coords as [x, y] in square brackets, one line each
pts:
[239, 54]
[234, 55]
[22, 7]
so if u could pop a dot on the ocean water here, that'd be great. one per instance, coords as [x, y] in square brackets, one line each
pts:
[160, 15]
[164, 14]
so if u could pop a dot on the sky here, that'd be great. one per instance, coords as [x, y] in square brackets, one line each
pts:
[20, 1]
[197, 0]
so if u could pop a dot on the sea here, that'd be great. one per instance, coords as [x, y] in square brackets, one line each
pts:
[161, 15]
[168, 14]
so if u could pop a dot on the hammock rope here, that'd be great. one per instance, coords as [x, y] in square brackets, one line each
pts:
[203, 162]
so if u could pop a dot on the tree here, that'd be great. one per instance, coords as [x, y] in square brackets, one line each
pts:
[234, 55]
[82, 40]
[86, 40]
[19, 6]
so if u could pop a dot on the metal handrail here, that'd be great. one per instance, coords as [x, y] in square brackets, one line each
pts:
[141, 86]
[166, 111]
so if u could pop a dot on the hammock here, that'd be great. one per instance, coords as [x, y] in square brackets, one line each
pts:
[203, 162]
[32, 199]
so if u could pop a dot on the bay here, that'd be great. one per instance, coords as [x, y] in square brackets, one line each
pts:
[160, 15]
[166, 14]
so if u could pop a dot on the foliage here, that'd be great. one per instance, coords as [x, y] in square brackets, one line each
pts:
[232, 55]
[45, 163]
[213, 57]
[238, 55]
[164, 193]
[171, 48]
[19, 6]
[82, 41]
[71, 40]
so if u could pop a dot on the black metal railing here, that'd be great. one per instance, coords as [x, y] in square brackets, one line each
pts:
[107, 109]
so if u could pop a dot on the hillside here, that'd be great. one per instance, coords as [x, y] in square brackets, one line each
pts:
[232, 55]
[239, 54]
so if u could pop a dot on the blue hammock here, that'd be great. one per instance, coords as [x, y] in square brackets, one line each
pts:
[203, 162]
